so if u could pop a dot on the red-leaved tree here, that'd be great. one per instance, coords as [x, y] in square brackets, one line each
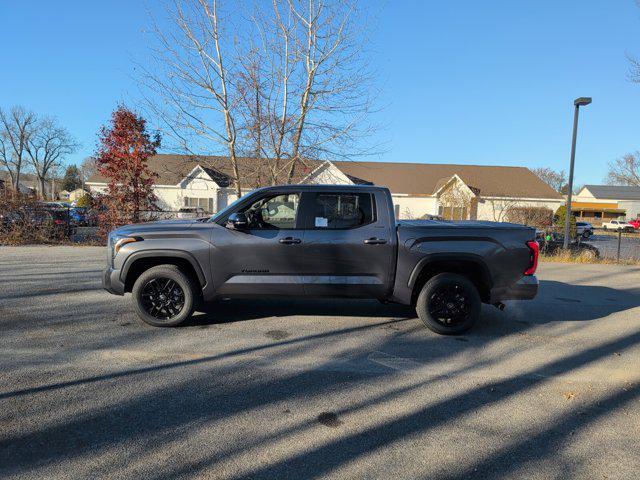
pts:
[123, 151]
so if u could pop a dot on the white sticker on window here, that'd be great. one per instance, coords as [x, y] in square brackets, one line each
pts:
[321, 222]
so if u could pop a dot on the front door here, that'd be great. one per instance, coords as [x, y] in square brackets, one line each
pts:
[265, 257]
[348, 245]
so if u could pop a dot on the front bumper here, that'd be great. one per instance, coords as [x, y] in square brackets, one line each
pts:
[111, 281]
[524, 289]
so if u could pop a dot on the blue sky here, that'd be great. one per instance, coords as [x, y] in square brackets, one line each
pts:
[462, 81]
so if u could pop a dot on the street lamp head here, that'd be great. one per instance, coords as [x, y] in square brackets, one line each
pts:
[582, 101]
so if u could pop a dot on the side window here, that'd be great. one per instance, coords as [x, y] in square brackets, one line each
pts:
[273, 213]
[342, 210]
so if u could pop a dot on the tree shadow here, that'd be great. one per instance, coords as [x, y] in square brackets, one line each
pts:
[556, 301]
[165, 401]
[564, 302]
[238, 310]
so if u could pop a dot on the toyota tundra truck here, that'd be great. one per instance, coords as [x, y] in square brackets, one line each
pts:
[322, 241]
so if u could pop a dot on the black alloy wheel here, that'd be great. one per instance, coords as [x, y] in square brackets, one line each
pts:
[162, 298]
[449, 305]
[165, 296]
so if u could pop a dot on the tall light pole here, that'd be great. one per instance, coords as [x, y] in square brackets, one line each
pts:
[579, 102]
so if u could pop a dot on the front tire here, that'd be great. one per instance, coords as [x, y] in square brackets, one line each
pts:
[449, 304]
[163, 296]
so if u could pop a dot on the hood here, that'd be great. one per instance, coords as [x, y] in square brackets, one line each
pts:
[159, 226]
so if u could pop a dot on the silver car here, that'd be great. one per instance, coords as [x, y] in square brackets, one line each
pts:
[585, 229]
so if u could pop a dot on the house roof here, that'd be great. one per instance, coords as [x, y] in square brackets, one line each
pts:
[426, 178]
[172, 169]
[405, 178]
[29, 180]
[614, 192]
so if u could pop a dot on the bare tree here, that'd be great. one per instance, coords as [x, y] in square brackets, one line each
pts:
[556, 179]
[16, 128]
[88, 168]
[625, 170]
[291, 86]
[46, 147]
[501, 205]
[319, 92]
[191, 81]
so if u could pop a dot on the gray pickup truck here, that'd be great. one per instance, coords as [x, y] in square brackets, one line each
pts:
[322, 241]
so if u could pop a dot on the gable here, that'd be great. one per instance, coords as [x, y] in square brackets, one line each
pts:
[199, 179]
[327, 174]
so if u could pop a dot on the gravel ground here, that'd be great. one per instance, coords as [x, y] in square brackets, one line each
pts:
[315, 389]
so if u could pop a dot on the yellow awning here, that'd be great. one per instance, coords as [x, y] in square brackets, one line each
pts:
[593, 206]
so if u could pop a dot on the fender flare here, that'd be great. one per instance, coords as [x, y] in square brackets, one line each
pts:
[166, 253]
[439, 257]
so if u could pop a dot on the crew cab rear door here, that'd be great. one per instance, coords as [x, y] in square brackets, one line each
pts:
[349, 243]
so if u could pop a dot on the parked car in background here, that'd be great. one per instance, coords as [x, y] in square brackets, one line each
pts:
[191, 212]
[551, 243]
[56, 222]
[54, 205]
[617, 225]
[635, 223]
[429, 216]
[585, 229]
[79, 215]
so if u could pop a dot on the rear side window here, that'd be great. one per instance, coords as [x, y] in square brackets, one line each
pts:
[342, 210]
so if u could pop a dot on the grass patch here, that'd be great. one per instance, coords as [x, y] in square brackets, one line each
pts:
[567, 257]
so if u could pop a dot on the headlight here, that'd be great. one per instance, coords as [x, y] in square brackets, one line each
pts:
[116, 242]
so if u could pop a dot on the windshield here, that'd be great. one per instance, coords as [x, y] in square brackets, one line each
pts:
[224, 211]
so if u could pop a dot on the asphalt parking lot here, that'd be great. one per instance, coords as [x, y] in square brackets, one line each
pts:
[315, 389]
[607, 245]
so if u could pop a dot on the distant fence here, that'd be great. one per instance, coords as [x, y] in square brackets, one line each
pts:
[38, 222]
[623, 245]
[620, 245]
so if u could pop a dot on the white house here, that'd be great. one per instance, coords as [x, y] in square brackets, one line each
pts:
[598, 203]
[418, 190]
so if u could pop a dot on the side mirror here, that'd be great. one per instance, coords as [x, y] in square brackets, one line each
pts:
[237, 221]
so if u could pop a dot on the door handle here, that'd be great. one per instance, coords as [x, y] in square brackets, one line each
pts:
[375, 241]
[290, 241]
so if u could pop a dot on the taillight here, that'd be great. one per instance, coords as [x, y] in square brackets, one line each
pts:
[535, 253]
[59, 222]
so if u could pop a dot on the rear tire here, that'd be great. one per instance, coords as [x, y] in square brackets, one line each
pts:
[164, 296]
[449, 304]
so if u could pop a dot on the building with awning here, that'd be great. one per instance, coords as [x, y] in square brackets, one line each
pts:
[600, 203]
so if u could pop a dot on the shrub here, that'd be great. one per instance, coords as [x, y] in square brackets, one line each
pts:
[85, 201]
[23, 220]
[559, 220]
[534, 216]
